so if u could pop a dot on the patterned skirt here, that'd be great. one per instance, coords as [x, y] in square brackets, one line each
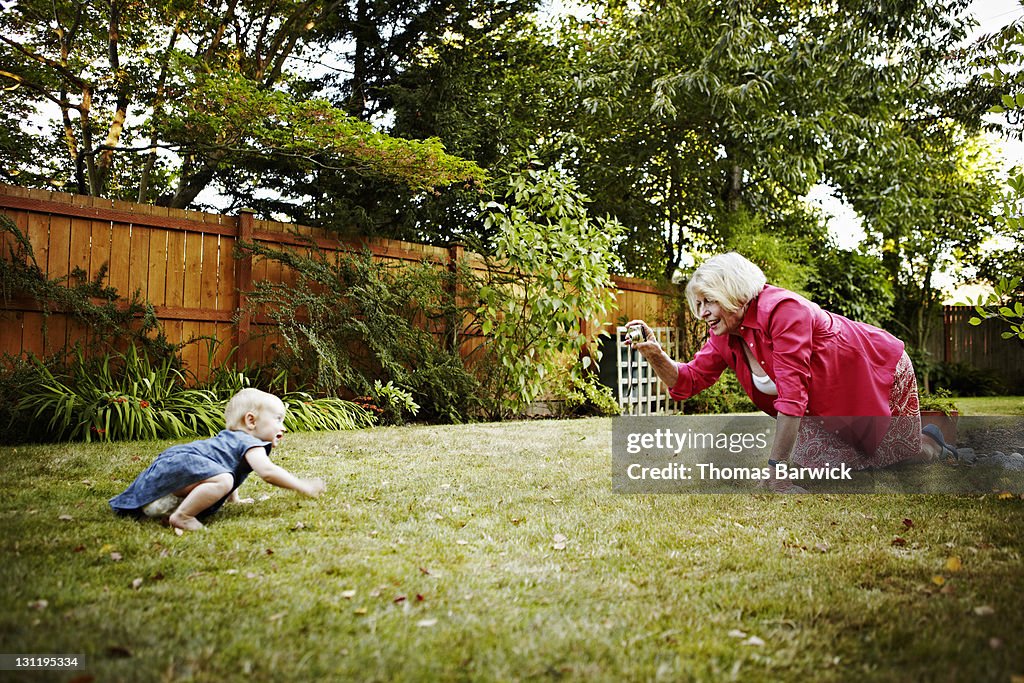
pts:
[816, 446]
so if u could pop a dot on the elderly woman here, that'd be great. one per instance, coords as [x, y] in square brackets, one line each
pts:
[841, 391]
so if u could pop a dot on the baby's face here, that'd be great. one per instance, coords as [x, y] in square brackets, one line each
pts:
[269, 424]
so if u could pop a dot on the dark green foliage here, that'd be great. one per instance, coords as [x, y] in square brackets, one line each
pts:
[963, 379]
[850, 284]
[724, 396]
[355, 320]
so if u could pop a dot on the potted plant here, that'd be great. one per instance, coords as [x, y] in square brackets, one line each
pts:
[939, 408]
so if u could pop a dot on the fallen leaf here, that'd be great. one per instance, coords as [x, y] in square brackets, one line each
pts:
[953, 564]
[938, 580]
[909, 523]
[136, 584]
[736, 633]
[461, 542]
[419, 597]
[424, 571]
[298, 525]
[39, 605]
[277, 617]
[995, 643]
[899, 542]
[1005, 495]
[822, 547]
[360, 612]
[349, 594]
[753, 641]
[559, 541]
[984, 611]
[178, 532]
[66, 518]
[426, 623]
[398, 599]
[116, 557]
[78, 549]
[269, 551]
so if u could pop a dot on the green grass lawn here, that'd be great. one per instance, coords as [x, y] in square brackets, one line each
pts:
[498, 552]
[991, 405]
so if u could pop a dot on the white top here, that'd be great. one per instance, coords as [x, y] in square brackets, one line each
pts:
[764, 384]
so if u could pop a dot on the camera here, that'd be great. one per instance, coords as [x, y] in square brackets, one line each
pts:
[635, 335]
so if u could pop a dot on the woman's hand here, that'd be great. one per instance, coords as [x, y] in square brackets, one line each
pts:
[664, 367]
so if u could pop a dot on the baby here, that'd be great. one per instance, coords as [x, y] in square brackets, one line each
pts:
[194, 480]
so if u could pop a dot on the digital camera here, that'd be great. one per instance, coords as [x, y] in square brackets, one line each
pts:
[635, 335]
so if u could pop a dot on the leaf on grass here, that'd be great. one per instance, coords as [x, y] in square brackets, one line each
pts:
[559, 541]
[461, 542]
[753, 641]
[398, 599]
[909, 523]
[424, 571]
[984, 611]
[78, 549]
[39, 605]
[178, 532]
[298, 526]
[349, 594]
[66, 518]
[426, 623]
[1005, 495]
[736, 633]
[116, 556]
[277, 617]
[899, 542]
[822, 547]
[269, 551]
[938, 580]
[136, 584]
[953, 564]
[359, 612]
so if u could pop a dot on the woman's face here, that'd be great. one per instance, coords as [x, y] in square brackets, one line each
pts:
[719, 320]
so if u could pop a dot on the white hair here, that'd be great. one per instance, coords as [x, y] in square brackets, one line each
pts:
[729, 279]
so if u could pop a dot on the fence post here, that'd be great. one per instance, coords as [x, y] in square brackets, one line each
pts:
[243, 283]
[456, 252]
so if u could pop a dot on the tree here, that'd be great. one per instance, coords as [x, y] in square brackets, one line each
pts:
[156, 102]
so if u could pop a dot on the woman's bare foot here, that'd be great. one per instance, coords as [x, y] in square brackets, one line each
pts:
[179, 520]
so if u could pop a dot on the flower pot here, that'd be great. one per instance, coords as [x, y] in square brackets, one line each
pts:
[945, 423]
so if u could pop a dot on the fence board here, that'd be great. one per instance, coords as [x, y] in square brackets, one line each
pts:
[183, 261]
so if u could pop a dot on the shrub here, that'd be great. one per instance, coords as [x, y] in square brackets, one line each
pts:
[351, 321]
[724, 396]
[576, 396]
[550, 270]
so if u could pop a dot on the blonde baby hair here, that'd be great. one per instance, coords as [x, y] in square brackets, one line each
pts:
[730, 279]
[247, 401]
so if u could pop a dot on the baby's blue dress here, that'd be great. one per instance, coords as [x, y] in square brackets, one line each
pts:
[188, 463]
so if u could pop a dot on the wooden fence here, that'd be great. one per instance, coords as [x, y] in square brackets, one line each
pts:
[981, 346]
[183, 263]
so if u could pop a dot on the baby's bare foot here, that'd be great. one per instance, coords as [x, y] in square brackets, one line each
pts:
[185, 522]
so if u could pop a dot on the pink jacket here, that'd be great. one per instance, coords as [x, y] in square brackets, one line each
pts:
[822, 363]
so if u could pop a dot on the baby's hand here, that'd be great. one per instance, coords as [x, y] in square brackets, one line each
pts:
[313, 487]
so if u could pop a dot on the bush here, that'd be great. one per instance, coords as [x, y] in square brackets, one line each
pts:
[351, 321]
[724, 396]
[575, 396]
[128, 396]
[963, 379]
